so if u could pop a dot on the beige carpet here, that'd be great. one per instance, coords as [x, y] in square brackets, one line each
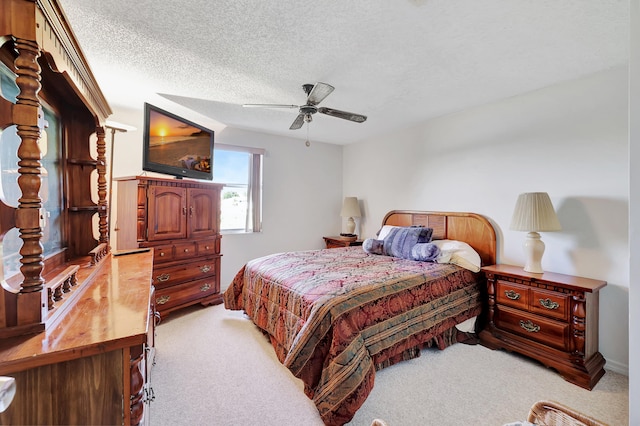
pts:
[215, 368]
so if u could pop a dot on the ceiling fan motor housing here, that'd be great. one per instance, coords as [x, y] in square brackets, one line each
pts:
[308, 109]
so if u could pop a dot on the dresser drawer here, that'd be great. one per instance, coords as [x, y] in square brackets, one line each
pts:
[167, 276]
[184, 251]
[534, 327]
[162, 254]
[176, 295]
[550, 304]
[512, 294]
[208, 247]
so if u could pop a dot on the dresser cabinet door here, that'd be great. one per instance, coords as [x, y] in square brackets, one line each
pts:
[203, 212]
[167, 213]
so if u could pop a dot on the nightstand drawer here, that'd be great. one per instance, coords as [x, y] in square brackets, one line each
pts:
[533, 327]
[550, 304]
[512, 294]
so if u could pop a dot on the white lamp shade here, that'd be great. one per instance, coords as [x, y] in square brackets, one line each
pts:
[350, 207]
[534, 213]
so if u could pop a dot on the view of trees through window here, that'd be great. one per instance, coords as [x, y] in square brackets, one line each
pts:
[236, 170]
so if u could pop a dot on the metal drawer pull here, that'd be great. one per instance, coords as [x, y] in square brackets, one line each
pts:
[512, 295]
[164, 277]
[549, 304]
[205, 269]
[529, 326]
[186, 250]
[162, 300]
[205, 287]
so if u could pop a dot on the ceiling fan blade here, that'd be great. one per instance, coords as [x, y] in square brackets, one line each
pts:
[318, 93]
[269, 106]
[358, 118]
[298, 122]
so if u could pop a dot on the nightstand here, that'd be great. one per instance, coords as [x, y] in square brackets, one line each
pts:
[550, 317]
[336, 242]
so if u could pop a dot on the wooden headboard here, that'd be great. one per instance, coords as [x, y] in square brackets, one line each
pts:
[472, 228]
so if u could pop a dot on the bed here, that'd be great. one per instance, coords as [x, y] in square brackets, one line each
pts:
[335, 316]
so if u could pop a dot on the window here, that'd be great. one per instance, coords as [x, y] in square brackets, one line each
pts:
[239, 170]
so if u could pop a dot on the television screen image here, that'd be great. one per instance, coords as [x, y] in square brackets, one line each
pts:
[176, 146]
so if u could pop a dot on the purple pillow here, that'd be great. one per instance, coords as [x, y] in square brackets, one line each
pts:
[425, 252]
[400, 241]
[372, 246]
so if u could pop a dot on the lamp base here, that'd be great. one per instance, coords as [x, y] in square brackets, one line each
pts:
[351, 226]
[533, 250]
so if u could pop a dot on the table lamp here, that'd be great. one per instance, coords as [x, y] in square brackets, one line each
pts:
[534, 213]
[350, 209]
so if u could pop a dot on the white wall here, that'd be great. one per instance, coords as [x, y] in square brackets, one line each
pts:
[302, 189]
[634, 215]
[569, 140]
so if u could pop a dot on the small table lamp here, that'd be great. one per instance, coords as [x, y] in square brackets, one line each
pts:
[350, 209]
[534, 213]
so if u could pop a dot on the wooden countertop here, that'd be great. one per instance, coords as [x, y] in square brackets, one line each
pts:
[112, 312]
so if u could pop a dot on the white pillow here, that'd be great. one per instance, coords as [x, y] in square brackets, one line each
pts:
[458, 253]
[384, 231]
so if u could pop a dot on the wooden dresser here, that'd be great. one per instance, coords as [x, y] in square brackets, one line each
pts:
[179, 220]
[92, 367]
[550, 317]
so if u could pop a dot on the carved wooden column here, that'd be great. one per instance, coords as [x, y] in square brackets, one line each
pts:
[27, 115]
[491, 298]
[102, 185]
[138, 379]
[578, 326]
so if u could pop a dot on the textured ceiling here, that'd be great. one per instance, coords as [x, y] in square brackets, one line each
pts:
[398, 62]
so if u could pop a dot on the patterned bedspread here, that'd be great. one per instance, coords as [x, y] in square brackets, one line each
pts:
[335, 316]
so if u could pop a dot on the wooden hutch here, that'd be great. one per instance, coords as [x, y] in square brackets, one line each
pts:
[76, 323]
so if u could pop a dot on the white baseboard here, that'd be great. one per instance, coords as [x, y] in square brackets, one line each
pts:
[617, 367]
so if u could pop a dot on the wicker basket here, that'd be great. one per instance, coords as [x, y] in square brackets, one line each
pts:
[551, 413]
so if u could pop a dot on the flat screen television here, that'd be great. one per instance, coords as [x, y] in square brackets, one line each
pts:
[176, 146]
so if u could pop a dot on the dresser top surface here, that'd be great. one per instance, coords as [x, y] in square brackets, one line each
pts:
[581, 283]
[112, 312]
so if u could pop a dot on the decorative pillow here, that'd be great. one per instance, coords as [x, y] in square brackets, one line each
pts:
[458, 253]
[373, 246]
[425, 252]
[400, 240]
